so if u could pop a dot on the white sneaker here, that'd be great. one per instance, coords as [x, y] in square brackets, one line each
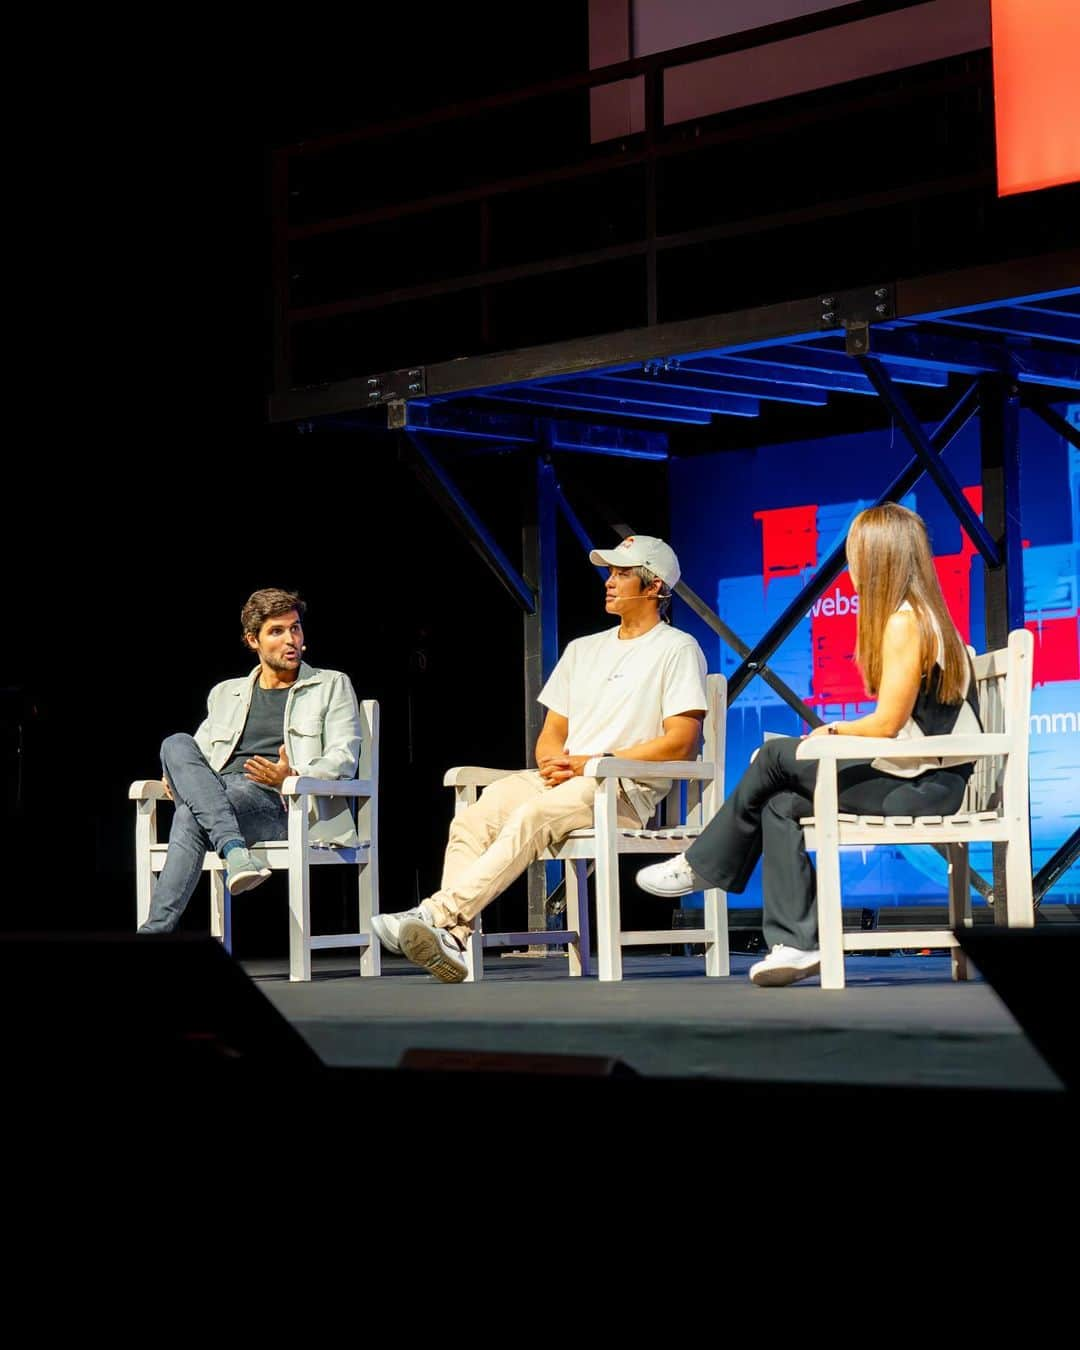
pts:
[386, 926]
[243, 871]
[674, 876]
[785, 965]
[435, 949]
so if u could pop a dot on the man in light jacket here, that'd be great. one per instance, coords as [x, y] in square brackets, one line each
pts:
[285, 719]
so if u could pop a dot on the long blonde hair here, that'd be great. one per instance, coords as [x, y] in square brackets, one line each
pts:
[888, 551]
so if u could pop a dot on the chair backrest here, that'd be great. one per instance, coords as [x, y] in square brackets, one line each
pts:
[701, 805]
[1003, 681]
[369, 739]
[367, 809]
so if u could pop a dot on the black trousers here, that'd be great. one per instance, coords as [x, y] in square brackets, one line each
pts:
[760, 819]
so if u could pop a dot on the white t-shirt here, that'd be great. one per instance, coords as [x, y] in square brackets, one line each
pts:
[617, 692]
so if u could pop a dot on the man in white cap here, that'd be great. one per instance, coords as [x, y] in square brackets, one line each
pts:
[636, 691]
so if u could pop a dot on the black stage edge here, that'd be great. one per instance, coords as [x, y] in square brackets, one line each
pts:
[136, 1027]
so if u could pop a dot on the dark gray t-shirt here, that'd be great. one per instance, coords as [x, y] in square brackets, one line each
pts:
[264, 730]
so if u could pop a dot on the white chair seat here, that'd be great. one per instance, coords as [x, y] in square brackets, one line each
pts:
[296, 855]
[1003, 683]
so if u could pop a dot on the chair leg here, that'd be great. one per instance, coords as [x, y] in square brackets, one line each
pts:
[609, 948]
[718, 950]
[1019, 903]
[220, 905]
[145, 835]
[474, 954]
[367, 885]
[576, 877]
[959, 905]
[299, 892]
[830, 913]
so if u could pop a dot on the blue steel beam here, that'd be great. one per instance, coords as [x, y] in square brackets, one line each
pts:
[727, 384]
[571, 518]
[439, 418]
[938, 471]
[1065, 293]
[754, 661]
[547, 398]
[1055, 421]
[625, 442]
[1021, 323]
[908, 346]
[438, 482]
[805, 357]
[847, 381]
[731, 405]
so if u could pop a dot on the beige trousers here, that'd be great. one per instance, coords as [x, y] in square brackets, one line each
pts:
[493, 841]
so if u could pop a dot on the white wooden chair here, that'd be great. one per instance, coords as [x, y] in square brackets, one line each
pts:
[995, 809]
[601, 847]
[294, 855]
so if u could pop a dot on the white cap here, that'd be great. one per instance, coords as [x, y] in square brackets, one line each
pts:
[642, 550]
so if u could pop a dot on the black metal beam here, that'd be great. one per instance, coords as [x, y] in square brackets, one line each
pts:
[1054, 420]
[734, 331]
[753, 663]
[946, 482]
[441, 487]
[1059, 864]
[1000, 447]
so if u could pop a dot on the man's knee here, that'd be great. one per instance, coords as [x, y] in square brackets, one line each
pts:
[178, 743]
[183, 822]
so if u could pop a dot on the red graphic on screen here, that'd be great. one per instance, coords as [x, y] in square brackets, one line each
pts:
[789, 541]
[834, 621]
[1057, 649]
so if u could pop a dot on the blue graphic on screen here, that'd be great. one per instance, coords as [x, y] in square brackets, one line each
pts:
[750, 528]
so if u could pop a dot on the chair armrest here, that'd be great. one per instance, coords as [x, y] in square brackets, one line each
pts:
[469, 775]
[871, 747]
[609, 766]
[327, 787]
[147, 790]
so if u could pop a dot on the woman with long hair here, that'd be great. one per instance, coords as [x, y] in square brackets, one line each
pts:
[914, 662]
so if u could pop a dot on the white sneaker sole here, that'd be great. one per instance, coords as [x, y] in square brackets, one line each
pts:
[247, 881]
[666, 892]
[382, 932]
[781, 975]
[422, 947]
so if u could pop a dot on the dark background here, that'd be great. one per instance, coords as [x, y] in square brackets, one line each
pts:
[144, 509]
[136, 536]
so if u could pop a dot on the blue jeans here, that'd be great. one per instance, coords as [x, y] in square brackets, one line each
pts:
[211, 809]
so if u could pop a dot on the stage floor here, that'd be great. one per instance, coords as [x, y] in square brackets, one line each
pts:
[901, 1021]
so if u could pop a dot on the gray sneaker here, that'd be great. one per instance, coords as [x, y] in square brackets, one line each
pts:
[243, 872]
[436, 949]
[386, 926]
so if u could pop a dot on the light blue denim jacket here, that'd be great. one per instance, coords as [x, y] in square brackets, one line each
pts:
[322, 738]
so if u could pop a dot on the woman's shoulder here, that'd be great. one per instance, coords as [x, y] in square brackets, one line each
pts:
[901, 627]
[902, 619]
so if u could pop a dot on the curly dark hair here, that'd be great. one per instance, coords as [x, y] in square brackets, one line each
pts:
[267, 604]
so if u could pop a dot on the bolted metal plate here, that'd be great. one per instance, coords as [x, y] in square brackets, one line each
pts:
[393, 385]
[855, 311]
